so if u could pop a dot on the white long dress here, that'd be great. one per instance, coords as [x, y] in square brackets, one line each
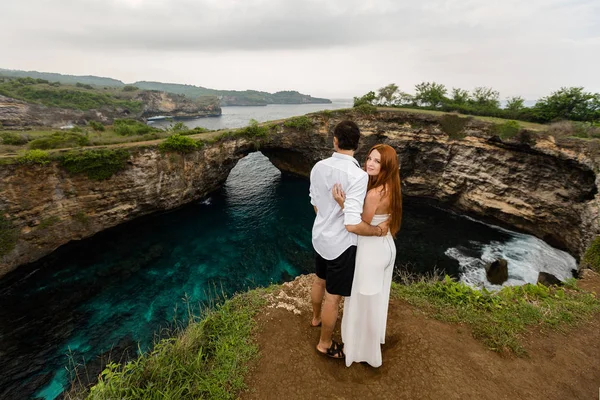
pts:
[365, 311]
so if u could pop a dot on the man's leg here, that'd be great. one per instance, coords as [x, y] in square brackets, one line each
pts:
[316, 294]
[329, 316]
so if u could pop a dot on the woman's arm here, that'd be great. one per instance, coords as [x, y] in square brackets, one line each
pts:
[372, 201]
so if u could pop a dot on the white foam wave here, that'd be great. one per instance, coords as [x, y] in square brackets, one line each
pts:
[526, 255]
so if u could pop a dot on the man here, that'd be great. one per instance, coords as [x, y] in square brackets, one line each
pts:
[334, 234]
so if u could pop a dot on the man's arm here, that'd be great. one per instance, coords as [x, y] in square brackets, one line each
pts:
[364, 229]
[316, 211]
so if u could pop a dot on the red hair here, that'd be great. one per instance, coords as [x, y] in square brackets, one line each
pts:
[389, 179]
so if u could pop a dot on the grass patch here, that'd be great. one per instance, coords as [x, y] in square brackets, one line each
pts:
[179, 144]
[97, 164]
[528, 125]
[32, 157]
[498, 319]
[208, 360]
[48, 222]
[60, 140]
[591, 258]
[131, 127]
[79, 97]
[453, 126]
[8, 236]
[302, 123]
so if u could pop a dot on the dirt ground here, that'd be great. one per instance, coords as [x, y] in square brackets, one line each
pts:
[422, 359]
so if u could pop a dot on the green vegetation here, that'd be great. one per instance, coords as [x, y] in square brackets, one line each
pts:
[507, 130]
[568, 103]
[130, 88]
[302, 123]
[179, 144]
[499, 318]
[233, 97]
[453, 126]
[82, 218]
[60, 140]
[11, 138]
[48, 222]
[97, 126]
[366, 109]
[80, 97]
[253, 130]
[8, 235]
[31, 157]
[59, 78]
[131, 127]
[208, 360]
[98, 164]
[591, 258]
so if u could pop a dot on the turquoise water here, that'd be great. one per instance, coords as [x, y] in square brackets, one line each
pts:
[124, 287]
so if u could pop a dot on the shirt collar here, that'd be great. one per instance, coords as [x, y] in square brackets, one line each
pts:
[346, 157]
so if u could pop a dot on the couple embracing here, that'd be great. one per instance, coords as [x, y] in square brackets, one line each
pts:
[358, 211]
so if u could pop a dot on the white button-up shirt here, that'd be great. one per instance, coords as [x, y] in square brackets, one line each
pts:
[329, 235]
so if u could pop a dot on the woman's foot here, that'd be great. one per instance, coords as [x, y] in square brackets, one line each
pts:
[336, 350]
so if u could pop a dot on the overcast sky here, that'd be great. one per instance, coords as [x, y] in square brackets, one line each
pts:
[330, 48]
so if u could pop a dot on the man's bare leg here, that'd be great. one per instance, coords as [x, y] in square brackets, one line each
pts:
[316, 294]
[329, 316]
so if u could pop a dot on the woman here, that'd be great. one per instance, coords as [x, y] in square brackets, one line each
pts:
[365, 311]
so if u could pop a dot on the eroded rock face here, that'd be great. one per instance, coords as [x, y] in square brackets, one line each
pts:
[546, 190]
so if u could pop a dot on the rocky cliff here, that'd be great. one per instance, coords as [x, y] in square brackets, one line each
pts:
[544, 189]
[18, 114]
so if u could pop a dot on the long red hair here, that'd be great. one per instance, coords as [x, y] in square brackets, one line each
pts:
[389, 179]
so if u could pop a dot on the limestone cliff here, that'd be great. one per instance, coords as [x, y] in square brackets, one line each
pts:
[544, 189]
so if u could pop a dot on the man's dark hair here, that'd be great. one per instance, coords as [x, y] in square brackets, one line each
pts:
[348, 134]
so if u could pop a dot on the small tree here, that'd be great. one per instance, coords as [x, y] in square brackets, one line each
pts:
[485, 97]
[430, 94]
[387, 94]
[404, 99]
[368, 98]
[460, 96]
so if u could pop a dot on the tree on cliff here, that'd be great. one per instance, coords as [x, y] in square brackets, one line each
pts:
[570, 103]
[387, 94]
[485, 97]
[430, 94]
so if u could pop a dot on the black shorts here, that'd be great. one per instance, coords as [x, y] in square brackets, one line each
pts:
[338, 273]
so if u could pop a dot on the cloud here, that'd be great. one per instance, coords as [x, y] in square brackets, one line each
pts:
[519, 47]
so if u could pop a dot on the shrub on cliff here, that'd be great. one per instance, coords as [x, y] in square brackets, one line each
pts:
[302, 123]
[130, 88]
[97, 126]
[14, 139]
[253, 130]
[366, 109]
[59, 140]
[453, 126]
[96, 164]
[178, 143]
[32, 157]
[130, 127]
[507, 130]
[8, 235]
[591, 258]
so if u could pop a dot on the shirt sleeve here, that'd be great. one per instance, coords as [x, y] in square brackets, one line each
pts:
[311, 191]
[355, 199]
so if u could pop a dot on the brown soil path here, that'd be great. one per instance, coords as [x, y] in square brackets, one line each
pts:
[422, 359]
